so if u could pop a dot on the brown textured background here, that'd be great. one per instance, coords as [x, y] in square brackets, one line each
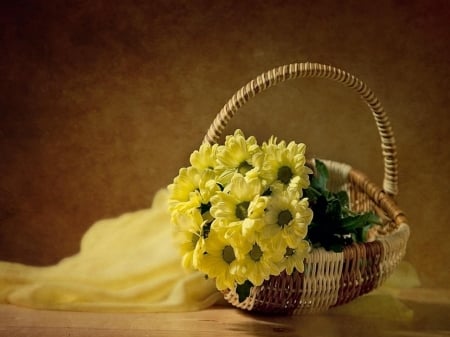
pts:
[102, 101]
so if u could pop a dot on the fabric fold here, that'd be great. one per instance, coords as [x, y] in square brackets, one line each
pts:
[125, 264]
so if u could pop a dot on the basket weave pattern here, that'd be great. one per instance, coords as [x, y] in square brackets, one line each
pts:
[331, 279]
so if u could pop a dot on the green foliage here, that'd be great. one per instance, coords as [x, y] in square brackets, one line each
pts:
[243, 290]
[334, 225]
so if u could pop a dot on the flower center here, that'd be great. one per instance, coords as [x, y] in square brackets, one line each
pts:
[285, 174]
[242, 210]
[244, 167]
[256, 253]
[289, 252]
[228, 254]
[284, 217]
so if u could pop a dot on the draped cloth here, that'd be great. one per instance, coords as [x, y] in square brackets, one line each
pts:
[130, 264]
[127, 264]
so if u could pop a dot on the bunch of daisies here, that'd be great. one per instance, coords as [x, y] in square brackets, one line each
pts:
[238, 211]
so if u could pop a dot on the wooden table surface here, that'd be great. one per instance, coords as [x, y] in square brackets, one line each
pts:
[430, 308]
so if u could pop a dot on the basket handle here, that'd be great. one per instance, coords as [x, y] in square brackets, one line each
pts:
[291, 71]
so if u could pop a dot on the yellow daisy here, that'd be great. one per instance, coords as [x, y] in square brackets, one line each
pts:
[238, 155]
[284, 165]
[184, 184]
[236, 202]
[240, 207]
[294, 257]
[205, 157]
[187, 233]
[287, 218]
[259, 262]
[219, 261]
[192, 191]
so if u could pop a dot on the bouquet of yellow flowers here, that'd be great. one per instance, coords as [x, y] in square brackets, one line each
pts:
[241, 211]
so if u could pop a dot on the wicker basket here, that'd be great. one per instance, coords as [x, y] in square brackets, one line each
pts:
[331, 279]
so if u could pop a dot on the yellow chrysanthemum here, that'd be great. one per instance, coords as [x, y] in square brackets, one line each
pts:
[259, 262]
[201, 198]
[287, 218]
[192, 191]
[187, 233]
[240, 207]
[294, 257]
[184, 184]
[238, 155]
[234, 202]
[219, 261]
[205, 157]
[284, 165]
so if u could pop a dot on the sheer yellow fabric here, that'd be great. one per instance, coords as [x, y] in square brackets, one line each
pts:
[130, 264]
[124, 264]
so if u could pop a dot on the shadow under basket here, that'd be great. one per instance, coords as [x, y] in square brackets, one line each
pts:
[329, 278]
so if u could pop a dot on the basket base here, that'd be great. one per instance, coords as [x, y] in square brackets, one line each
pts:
[330, 279]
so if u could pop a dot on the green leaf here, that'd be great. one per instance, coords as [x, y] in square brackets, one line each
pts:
[243, 290]
[319, 209]
[322, 175]
[334, 211]
[361, 233]
[312, 194]
[334, 225]
[352, 222]
[373, 218]
[343, 198]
